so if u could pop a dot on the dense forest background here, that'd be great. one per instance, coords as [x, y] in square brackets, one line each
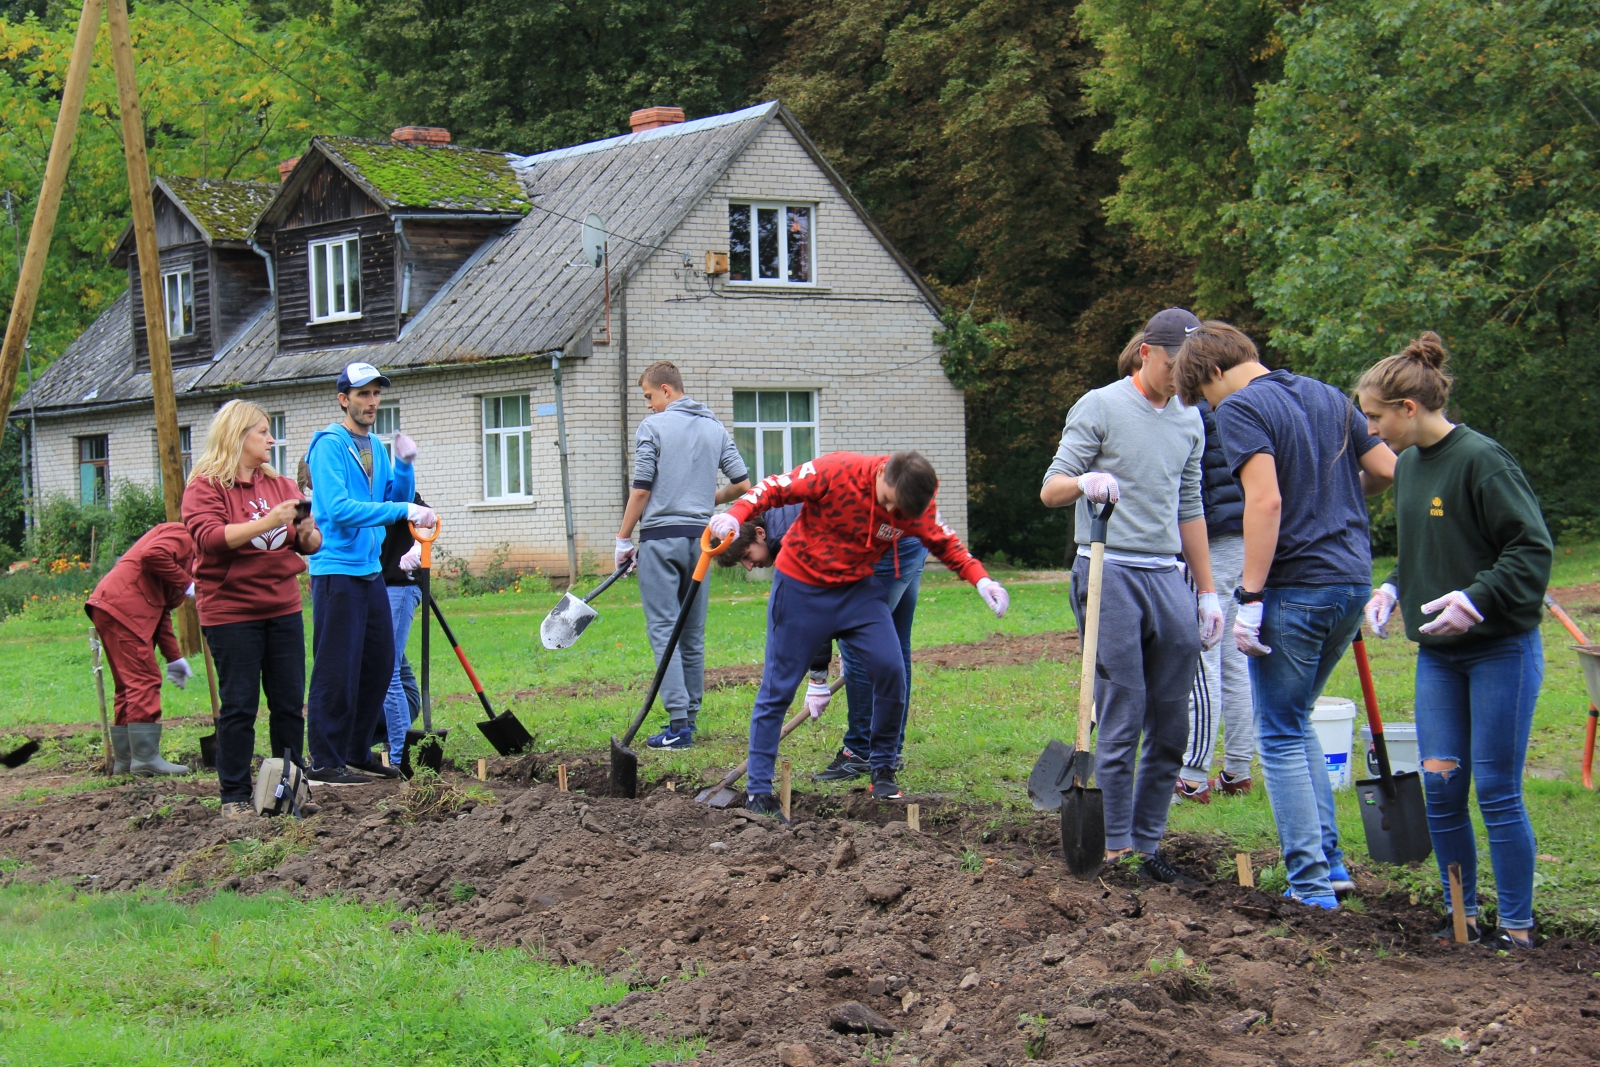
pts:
[1333, 177]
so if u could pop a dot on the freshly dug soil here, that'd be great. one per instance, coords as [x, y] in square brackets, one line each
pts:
[773, 943]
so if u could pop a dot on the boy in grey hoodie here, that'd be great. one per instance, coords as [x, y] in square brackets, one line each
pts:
[676, 457]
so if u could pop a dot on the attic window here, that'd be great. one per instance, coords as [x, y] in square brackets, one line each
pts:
[177, 291]
[335, 279]
[771, 244]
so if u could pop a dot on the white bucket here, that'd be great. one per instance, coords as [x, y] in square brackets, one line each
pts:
[1400, 738]
[1334, 720]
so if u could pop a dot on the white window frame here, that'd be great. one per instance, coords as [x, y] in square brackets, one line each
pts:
[496, 453]
[279, 421]
[755, 432]
[173, 284]
[385, 433]
[783, 208]
[348, 245]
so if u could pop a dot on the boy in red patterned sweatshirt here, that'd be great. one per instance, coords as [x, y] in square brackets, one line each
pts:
[854, 510]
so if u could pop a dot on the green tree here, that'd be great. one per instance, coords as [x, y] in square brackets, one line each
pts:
[1431, 164]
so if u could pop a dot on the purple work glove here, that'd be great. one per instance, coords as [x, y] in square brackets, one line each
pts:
[994, 594]
[1458, 615]
[405, 449]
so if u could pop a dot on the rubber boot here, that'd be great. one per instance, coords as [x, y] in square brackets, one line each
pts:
[145, 740]
[121, 754]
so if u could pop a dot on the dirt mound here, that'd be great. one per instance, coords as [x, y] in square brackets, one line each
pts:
[851, 938]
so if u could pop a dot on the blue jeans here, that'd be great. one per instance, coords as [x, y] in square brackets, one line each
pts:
[903, 609]
[403, 603]
[1308, 628]
[1475, 706]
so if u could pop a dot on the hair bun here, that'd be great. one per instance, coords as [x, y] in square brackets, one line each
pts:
[1428, 349]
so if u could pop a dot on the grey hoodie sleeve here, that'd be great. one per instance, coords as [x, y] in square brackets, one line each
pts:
[1191, 504]
[732, 463]
[646, 450]
[1080, 439]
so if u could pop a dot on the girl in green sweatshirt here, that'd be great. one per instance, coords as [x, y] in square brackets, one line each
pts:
[1474, 559]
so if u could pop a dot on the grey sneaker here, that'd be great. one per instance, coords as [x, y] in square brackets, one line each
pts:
[845, 767]
[238, 809]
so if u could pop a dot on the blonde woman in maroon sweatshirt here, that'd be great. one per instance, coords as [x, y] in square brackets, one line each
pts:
[250, 538]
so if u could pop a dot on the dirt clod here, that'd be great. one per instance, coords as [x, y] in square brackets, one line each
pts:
[857, 1018]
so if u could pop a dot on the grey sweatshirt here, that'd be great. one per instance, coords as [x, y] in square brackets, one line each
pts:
[676, 456]
[1155, 457]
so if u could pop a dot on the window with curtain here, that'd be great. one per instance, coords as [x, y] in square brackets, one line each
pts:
[94, 479]
[385, 426]
[772, 244]
[177, 292]
[335, 279]
[776, 430]
[278, 427]
[507, 448]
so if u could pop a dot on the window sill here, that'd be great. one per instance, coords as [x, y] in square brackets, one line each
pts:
[503, 505]
[334, 318]
[776, 287]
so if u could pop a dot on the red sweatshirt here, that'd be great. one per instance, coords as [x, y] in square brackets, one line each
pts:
[842, 531]
[257, 579]
[147, 583]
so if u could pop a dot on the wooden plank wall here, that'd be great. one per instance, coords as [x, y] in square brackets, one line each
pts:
[378, 322]
[329, 197]
[172, 228]
[438, 248]
[196, 347]
[239, 285]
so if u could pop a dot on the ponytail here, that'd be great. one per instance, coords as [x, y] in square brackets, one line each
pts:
[1417, 373]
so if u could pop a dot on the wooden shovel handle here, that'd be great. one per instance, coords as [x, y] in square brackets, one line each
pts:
[1091, 621]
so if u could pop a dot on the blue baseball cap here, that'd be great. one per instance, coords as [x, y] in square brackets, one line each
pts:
[355, 375]
[1168, 328]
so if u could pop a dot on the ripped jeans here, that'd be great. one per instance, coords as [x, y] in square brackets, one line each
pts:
[1475, 708]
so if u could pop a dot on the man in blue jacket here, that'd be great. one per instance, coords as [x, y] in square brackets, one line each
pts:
[358, 492]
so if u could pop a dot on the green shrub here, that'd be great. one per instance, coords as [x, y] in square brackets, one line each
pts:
[136, 509]
[68, 530]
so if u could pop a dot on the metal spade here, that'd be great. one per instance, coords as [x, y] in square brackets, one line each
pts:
[571, 616]
[1083, 810]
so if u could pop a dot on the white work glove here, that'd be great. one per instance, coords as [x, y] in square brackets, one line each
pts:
[189, 592]
[1210, 621]
[994, 594]
[724, 526]
[412, 559]
[625, 555]
[179, 672]
[1457, 617]
[817, 697]
[1098, 487]
[405, 449]
[1247, 630]
[1380, 608]
[421, 516]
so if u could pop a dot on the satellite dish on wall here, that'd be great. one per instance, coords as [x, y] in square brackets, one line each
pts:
[594, 239]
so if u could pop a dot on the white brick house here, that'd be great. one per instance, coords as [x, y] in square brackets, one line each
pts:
[835, 352]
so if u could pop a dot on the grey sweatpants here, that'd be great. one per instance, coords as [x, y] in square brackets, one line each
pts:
[1149, 650]
[666, 567]
[1222, 686]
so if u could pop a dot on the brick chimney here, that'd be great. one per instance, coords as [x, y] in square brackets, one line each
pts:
[651, 117]
[425, 135]
[286, 167]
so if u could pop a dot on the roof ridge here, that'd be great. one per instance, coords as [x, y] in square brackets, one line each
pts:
[676, 129]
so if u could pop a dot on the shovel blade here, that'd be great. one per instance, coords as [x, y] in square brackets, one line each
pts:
[422, 749]
[208, 751]
[506, 733]
[1397, 826]
[566, 623]
[724, 798]
[19, 755]
[1052, 772]
[624, 770]
[1083, 830]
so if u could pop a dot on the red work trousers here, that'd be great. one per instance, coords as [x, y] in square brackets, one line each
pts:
[133, 671]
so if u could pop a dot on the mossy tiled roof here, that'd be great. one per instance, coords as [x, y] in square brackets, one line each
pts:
[438, 177]
[226, 210]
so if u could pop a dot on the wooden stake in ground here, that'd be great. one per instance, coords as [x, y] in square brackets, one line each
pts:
[44, 213]
[785, 777]
[165, 400]
[1247, 876]
[483, 769]
[561, 777]
[1458, 907]
[100, 689]
[914, 817]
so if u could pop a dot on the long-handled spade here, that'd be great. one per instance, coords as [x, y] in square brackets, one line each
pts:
[723, 794]
[504, 731]
[208, 743]
[1394, 812]
[427, 743]
[571, 616]
[624, 761]
[1587, 654]
[1083, 810]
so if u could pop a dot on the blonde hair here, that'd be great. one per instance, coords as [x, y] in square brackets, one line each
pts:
[1416, 373]
[1129, 361]
[219, 463]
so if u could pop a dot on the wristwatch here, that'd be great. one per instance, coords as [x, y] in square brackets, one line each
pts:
[1243, 597]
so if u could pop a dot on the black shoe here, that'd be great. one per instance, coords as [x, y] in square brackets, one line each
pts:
[1158, 868]
[884, 786]
[845, 766]
[1447, 933]
[766, 804]
[1502, 941]
[376, 769]
[337, 776]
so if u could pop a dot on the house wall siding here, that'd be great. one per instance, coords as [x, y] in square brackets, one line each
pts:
[192, 348]
[378, 322]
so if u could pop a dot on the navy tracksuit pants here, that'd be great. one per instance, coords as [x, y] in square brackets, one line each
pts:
[352, 648]
[801, 620]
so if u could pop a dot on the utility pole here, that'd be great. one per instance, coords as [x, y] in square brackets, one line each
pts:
[30, 513]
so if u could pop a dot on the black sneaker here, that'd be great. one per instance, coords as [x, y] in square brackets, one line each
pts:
[374, 768]
[845, 766]
[1158, 868]
[1446, 933]
[765, 804]
[337, 776]
[1502, 941]
[884, 787]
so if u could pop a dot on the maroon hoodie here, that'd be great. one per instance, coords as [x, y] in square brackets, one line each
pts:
[257, 580]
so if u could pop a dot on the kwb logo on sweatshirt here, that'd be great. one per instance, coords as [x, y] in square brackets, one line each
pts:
[889, 533]
[1437, 511]
[272, 538]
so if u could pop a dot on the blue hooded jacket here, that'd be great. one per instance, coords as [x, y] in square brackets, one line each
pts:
[352, 514]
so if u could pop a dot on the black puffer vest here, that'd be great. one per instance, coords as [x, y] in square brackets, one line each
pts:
[1223, 497]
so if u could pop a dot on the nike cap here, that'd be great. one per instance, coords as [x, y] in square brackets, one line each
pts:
[355, 375]
[1168, 328]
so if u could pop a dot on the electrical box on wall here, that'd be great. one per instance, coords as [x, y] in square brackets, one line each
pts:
[716, 263]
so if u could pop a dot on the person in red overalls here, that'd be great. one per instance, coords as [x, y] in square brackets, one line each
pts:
[131, 609]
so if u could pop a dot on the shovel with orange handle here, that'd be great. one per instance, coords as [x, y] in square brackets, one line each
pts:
[427, 742]
[1589, 659]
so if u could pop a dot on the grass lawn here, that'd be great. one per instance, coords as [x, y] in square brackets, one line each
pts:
[127, 980]
[973, 733]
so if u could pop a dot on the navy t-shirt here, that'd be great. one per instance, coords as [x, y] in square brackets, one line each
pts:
[1316, 438]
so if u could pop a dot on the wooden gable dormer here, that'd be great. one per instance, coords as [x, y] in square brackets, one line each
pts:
[213, 283]
[366, 232]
